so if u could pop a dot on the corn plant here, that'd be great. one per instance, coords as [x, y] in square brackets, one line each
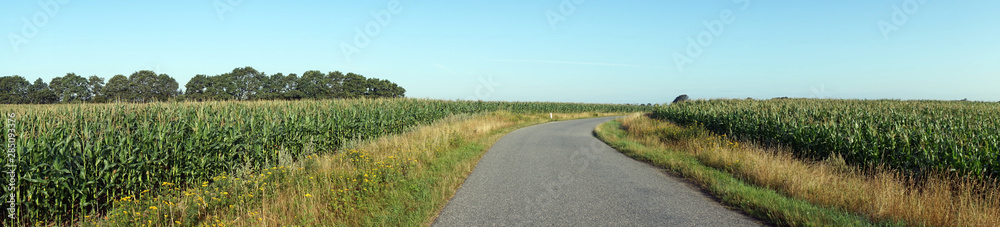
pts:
[909, 135]
[77, 159]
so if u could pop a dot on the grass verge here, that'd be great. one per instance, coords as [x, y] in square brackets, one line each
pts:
[644, 144]
[771, 184]
[395, 180]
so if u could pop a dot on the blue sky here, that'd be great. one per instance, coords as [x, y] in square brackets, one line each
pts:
[549, 50]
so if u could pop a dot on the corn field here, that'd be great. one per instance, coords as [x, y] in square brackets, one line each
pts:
[76, 159]
[906, 135]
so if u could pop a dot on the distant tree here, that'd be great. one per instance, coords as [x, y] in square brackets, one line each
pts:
[273, 87]
[195, 88]
[95, 86]
[335, 84]
[245, 82]
[265, 89]
[141, 86]
[146, 86]
[56, 86]
[39, 93]
[291, 90]
[372, 88]
[219, 88]
[376, 88]
[117, 89]
[353, 86]
[313, 85]
[680, 99]
[398, 92]
[71, 88]
[15, 90]
[166, 88]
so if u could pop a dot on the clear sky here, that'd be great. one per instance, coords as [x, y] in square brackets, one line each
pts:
[519, 50]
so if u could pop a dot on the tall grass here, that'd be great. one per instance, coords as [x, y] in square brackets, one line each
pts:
[882, 195]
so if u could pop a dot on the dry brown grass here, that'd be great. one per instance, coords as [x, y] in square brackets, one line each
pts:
[880, 194]
[419, 144]
[422, 144]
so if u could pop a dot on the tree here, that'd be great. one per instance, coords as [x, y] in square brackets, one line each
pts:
[39, 93]
[195, 88]
[117, 89]
[146, 86]
[71, 88]
[313, 85]
[95, 86]
[166, 88]
[397, 91]
[219, 88]
[291, 90]
[373, 88]
[141, 86]
[15, 90]
[680, 99]
[273, 87]
[353, 86]
[335, 83]
[246, 82]
[376, 88]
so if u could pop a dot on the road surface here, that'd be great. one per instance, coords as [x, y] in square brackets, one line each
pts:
[559, 174]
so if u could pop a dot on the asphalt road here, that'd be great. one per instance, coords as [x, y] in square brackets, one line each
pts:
[559, 174]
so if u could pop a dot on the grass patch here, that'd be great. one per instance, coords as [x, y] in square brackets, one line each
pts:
[669, 146]
[395, 180]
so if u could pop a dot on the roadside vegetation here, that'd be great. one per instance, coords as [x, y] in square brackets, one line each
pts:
[396, 180]
[777, 185]
[77, 162]
[910, 136]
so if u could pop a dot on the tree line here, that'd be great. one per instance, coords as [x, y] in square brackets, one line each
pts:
[241, 84]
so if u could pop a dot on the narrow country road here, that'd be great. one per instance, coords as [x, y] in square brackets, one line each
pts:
[559, 174]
